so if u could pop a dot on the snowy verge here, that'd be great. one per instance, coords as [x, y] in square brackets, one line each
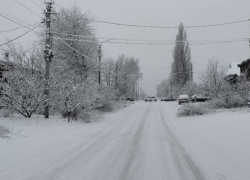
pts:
[42, 139]
[219, 141]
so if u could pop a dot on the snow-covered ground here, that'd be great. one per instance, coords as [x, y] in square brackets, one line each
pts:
[220, 141]
[143, 141]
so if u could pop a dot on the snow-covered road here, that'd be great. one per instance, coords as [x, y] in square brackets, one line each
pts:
[140, 142]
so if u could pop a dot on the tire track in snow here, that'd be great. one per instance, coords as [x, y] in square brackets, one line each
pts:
[186, 167]
[74, 162]
[134, 147]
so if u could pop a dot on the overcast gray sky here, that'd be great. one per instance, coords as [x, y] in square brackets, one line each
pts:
[151, 13]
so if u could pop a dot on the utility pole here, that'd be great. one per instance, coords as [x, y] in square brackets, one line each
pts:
[116, 75]
[100, 57]
[47, 55]
[134, 90]
[138, 92]
[191, 72]
[171, 91]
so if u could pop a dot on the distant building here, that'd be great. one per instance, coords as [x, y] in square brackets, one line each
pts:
[245, 68]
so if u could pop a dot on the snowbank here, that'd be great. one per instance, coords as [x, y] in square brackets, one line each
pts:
[219, 141]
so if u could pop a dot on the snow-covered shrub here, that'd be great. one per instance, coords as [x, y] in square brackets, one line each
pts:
[192, 109]
[4, 131]
[227, 102]
[22, 90]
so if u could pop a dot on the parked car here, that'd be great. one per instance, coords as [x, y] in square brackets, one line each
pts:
[183, 99]
[150, 99]
[153, 98]
[199, 98]
[165, 99]
[130, 99]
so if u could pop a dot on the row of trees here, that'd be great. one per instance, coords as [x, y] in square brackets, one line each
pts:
[122, 74]
[74, 86]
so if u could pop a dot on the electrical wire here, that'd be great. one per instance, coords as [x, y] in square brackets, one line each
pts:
[73, 48]
[12, 17]
[18, 28]
[18, 23]
[164, 27]
[166, 43]
[151, 42]
[19, 36]
[36, 4]
[171, 27]
[28, 8]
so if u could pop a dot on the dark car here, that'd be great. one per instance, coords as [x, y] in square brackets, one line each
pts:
[199, 98]
[130, 99]
[183, 98]
[165, 99]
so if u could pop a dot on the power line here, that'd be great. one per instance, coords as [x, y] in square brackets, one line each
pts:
[12, 17]
[152, 42]
[36, 4]
[28, 8]
[18, 28]
[73, 48]
[172, 27]
[164, 27]
[166, 43]
[17, 22]
[19, 36]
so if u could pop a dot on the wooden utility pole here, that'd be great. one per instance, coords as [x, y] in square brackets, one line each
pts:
[116, 75]
[191, 72]
[100, 57]
[138, 94]
[171, 91]
[47, 55]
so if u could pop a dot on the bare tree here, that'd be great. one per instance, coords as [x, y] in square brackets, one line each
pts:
[213, 79]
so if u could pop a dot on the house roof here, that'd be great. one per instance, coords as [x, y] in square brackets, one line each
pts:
[233, 71]
[243, 62]
[234, 64]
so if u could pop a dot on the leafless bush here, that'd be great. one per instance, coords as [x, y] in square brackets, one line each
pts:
[191, 109]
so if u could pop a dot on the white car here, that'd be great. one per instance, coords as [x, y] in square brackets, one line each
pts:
[150, 99]
[183, 98]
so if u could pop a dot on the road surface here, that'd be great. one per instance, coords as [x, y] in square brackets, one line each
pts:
[138, 144]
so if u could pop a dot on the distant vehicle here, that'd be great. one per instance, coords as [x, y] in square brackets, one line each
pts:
[199, 98]
[183, 98]
[150, 99]
[130, 99]
[153, 98]
[165, 99]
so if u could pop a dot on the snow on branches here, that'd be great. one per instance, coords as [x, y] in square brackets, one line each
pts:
[22, 90]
